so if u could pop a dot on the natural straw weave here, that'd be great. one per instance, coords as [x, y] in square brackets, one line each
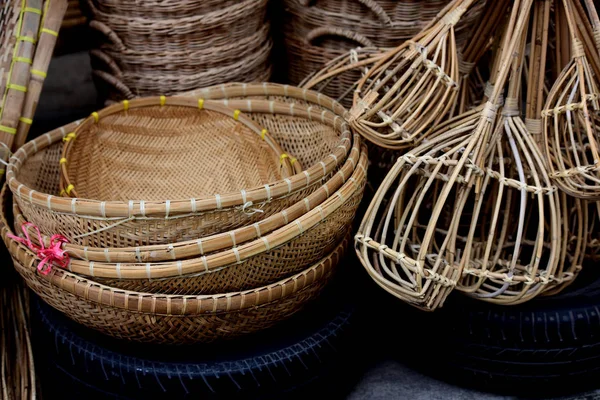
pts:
[279, 254]
[571, 134]
[120, 59]
[416, 237]
[19, 27]
[172, 319]
[297, 129]
[152, 150]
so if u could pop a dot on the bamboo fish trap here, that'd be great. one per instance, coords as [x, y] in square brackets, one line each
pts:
[413, 87]
[519, 224]
[571, 138]
[415, 238]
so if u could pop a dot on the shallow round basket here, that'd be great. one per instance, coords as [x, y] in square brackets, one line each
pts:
[156, 148]
[206, 245]
[277, 255]
[319, 138]
[224, 25]
[163, 319]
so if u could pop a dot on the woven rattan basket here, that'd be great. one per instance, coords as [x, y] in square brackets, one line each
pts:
[156, 146]
[279, 254]
[220, 26]
[162, 8]
[317, 137]
[247, 66]
[171, 319]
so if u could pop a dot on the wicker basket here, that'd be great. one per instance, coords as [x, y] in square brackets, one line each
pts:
[121, 83]
[171, 319]
[183, 60]
[316, 136]
[220, 26]
[161, 8]
[279, 254]
[207, 245]
[151, 51]
[158, 146]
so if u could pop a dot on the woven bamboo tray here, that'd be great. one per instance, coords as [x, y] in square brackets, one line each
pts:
[279, 254]
[199, 149]
[200, 31]
[172, 319]
[207, 245]
[297, 129]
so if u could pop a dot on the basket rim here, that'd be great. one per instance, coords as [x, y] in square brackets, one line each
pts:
[286, 160]
[236, 255]
[163, 209]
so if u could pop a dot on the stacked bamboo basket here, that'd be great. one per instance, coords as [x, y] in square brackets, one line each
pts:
[249, 194]
[166, 47]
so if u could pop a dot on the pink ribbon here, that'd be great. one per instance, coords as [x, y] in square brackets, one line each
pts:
[51, 255]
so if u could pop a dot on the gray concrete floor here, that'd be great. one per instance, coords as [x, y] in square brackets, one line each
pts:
[69, 94]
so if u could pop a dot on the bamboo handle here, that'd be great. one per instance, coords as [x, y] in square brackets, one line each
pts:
[115, 83]
[109, 33]
[370, 4]
[108, 61]
[329, 31]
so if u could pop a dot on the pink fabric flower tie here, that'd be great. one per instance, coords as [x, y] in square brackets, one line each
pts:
[51, 255]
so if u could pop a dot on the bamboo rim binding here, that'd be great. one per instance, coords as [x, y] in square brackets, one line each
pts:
[571, 137]
[45, 207]
[158, 107]
[414, 246]
[206, 245]
[412, 87]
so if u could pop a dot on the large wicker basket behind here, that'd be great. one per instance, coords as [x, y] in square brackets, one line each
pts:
[146, 50]
[319, 31]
